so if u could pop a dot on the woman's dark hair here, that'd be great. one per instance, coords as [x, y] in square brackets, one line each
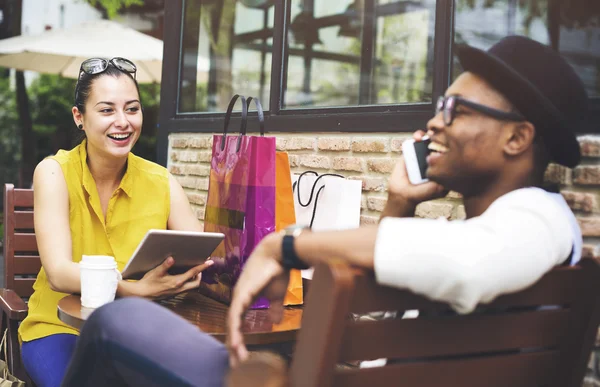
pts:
[83, 88]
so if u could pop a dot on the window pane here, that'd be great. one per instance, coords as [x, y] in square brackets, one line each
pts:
[572, 27]
[334, 61]
[226, 51]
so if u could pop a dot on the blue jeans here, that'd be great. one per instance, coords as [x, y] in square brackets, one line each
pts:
[136, 342]
[46, 359]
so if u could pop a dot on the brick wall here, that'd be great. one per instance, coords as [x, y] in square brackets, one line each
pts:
[581, 188]
[367, 157]
[370, 158]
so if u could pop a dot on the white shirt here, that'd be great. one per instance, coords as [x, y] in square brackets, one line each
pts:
[521, 236]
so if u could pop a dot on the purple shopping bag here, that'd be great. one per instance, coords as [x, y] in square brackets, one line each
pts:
[240, 204]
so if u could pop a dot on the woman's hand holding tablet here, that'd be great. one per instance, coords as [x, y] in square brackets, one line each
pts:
[186, 248]
[159, 283]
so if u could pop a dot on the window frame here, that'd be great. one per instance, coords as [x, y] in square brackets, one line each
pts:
[388, 118]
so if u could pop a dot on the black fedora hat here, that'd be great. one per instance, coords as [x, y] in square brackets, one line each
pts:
[540, 84]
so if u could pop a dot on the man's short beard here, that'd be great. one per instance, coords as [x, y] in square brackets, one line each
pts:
[467, 186]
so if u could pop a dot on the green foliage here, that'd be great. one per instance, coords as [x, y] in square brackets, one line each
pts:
[113, 7]
[146, 145]
[574, 13]
[51, 98]
[580, 13]
[532, 9]
[10, 146]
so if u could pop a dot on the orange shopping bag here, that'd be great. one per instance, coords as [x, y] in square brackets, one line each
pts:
[285, 216]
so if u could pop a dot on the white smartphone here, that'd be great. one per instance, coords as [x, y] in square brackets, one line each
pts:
[415, 157]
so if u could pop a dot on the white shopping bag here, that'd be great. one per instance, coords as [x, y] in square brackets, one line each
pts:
[326, 202]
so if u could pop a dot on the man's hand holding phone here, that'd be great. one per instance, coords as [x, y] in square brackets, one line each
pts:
[400, 187]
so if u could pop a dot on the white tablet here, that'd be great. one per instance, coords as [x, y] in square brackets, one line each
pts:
[188, 248]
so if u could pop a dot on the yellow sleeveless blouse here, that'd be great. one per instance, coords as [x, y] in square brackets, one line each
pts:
[141, 202]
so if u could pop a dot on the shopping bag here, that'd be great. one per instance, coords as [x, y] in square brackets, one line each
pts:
[240, 203]
[6, 379]
[284, 206]
[285, 216]
[326, 202]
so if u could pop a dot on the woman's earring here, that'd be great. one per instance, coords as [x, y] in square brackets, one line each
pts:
[80, 126]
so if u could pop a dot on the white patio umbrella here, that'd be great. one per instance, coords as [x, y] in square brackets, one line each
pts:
[62, 51]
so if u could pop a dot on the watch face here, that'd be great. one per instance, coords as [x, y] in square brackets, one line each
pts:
[295, 229]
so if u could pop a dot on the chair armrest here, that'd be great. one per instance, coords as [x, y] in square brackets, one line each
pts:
[13, 305]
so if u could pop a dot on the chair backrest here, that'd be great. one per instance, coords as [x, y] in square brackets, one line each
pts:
[21, 257]
[511, 342]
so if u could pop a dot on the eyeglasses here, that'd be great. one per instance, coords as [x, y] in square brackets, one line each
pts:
[447, 105]
[98, 65]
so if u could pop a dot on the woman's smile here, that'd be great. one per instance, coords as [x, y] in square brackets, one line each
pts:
[121, 139]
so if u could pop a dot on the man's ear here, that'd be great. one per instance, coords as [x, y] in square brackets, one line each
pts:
[520, 138]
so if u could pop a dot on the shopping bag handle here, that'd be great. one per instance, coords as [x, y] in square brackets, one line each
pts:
[259, 112]
[297, 183]
[228, 117]
[312, 191]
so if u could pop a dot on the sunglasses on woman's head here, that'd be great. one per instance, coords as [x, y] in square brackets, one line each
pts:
[94, 66]
[447, 105]
[99, 65]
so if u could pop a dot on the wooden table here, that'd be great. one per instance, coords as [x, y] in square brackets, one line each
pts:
[208, 315]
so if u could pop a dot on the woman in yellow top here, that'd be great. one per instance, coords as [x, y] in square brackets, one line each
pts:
[98, 199]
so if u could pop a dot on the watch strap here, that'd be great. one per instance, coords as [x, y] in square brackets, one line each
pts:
[289, 259]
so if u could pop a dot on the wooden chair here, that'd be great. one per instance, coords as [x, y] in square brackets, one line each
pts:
[21, 266]
[513, 342]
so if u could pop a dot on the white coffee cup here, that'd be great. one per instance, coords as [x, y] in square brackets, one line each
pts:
[99, 280]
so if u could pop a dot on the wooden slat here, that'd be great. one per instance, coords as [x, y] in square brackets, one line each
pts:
[23, 220]
[558, 287]
[584, 329]
[457, 335]
[555, 288]
[23, 198]
[24, 286]
[519, 370]
[367, 297]
[25, 242]
[27, 264]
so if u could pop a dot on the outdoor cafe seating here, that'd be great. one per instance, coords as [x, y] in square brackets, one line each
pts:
[22, 264]
[513, 342]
